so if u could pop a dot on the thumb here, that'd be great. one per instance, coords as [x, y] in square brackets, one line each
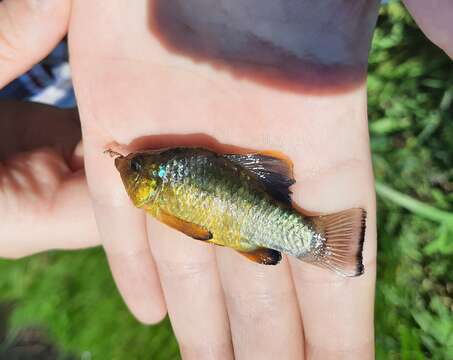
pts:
[29, 30]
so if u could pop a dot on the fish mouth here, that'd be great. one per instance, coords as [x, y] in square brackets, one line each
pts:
[119, 159]
[121, 163]
[130, 179]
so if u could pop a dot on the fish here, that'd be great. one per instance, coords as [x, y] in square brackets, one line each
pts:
[241, 201]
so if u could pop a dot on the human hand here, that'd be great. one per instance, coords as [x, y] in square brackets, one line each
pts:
[133, 91]
[44, 200]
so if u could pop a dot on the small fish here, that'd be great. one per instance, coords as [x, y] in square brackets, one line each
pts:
[243, 202]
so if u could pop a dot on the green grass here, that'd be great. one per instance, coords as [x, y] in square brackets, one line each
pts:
[410, 109]
[73, 298]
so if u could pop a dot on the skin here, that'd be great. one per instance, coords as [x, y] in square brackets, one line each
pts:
[130, 87]
[44, 199]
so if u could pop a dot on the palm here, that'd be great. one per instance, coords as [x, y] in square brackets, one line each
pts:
[133, 92]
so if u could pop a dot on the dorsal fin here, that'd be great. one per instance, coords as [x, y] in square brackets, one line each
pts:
[274, 169]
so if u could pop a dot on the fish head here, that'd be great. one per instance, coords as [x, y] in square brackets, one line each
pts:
[141, 175]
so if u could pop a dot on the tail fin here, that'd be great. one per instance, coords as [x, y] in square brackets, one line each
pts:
[343, 234]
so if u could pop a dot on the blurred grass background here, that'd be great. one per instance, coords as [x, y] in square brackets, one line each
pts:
[71, 296]
[411, 127]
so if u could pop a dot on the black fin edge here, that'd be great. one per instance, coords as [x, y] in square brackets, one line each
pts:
[360, 268]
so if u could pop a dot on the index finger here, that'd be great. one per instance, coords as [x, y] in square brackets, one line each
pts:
[123, 234]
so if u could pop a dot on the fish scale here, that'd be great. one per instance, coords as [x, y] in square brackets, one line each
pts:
[214, 188]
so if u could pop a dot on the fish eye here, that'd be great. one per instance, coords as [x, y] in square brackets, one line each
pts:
[135, 165]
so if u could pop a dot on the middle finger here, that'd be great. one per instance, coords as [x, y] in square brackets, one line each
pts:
[192, 290]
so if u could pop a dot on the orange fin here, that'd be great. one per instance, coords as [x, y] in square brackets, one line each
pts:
[195, 231]
[272, 168]
[341, 246]
[263, 256]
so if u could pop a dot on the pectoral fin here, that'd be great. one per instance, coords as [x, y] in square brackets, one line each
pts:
[263, 256]
[193, 230]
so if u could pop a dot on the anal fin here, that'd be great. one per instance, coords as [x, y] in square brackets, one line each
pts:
[263, 256]
[193, 230]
